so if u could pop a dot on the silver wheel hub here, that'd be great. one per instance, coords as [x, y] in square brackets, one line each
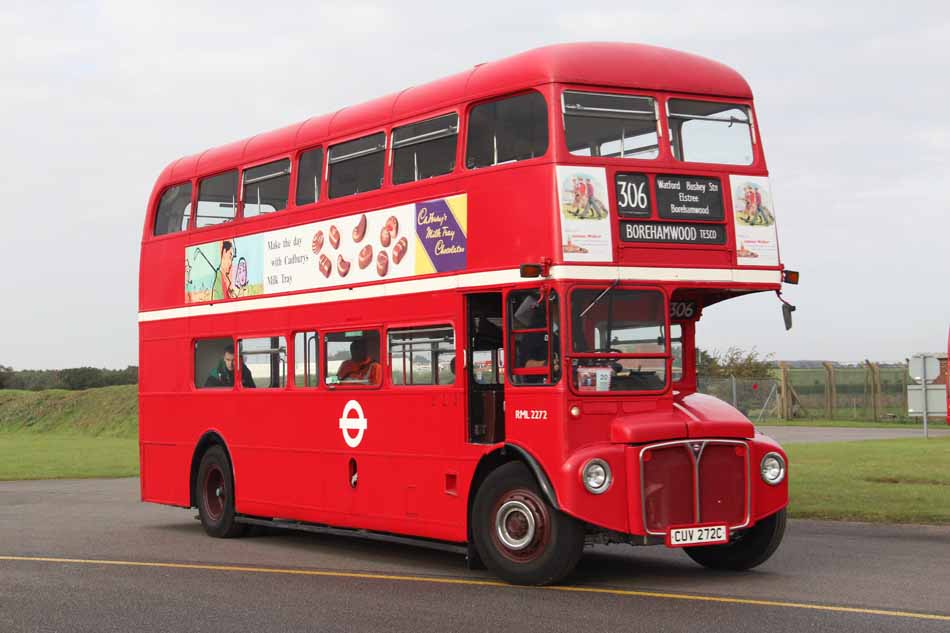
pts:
[515, 525]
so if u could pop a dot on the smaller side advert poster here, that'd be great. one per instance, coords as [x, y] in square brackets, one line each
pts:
[584, 212]
[754, 217]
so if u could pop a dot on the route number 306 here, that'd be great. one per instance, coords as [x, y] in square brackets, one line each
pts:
[633, 195]
[682, 309]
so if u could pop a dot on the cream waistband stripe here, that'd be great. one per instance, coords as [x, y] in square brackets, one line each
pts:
[469, 280]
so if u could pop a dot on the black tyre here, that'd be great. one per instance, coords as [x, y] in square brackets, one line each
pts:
[518, 535]
[749, 549]
[214, 492]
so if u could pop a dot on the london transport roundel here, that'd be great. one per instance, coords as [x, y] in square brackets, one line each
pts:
[350, 423]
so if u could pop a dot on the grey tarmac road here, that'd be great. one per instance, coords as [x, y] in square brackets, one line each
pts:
[800, 434]
[87, 556]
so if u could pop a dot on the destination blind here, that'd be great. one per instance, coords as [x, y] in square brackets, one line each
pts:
[672, 232]
[689, 198]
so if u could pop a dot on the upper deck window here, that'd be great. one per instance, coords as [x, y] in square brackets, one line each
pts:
[425, 149]
[174, 210]
[709, 132]
[217, 199]
[309, 173]
[507, 130]
[357, 166]
[610, 125]
[266, 188]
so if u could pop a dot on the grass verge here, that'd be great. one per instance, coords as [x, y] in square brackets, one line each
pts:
[887, 481]
[27, 455]
[855, 424]
[102, 412]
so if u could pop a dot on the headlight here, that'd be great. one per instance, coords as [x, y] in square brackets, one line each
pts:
[773, 469]
[596, 476]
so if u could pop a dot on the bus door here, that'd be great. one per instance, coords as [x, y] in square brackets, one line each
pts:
[485, 368]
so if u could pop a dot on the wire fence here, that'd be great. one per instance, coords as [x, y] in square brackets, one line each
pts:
[871, 392]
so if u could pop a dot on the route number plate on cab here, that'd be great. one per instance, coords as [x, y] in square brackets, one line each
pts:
[697, 535]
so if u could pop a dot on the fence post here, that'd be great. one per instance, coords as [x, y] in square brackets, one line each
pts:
[735, 400]
[875, 375]
[831, 391]
[785, 393]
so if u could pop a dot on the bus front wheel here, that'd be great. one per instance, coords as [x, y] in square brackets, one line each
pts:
[214, 492]
[518, 535]
[750, 549]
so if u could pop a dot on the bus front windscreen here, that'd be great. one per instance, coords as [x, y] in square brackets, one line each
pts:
[618, 340]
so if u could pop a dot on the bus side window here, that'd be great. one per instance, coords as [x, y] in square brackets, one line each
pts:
[352, 358]
[306, 353]
[217, 199]
[174, 210]
[309, 173]
[425, 149]
[508, 130]
[422, 356]
[214, 363]
[266, 188]
[357, 166]
[263, 362]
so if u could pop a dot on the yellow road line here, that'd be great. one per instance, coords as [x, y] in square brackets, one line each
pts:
[484, 583]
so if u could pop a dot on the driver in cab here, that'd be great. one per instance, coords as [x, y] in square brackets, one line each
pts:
[361, 367]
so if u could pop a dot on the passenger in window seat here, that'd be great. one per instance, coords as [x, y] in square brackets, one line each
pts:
[223, 374]
[361, 367]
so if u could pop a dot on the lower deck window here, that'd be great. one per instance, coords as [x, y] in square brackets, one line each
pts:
[306, 345]
[423, 356]
[264, 362]
[214, 363]
[352, 358]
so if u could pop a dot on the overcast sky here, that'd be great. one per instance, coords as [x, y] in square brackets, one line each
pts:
[98, 97]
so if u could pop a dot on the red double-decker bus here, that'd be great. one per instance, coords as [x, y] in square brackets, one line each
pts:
[464, 315]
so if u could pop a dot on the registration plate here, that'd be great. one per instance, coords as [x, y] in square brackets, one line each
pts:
[697, 535]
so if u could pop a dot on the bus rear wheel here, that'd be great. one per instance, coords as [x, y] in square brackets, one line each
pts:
[214, 492]
[517, 533]
[750, 549]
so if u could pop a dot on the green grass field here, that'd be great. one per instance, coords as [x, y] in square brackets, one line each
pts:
[25, 455]
[891, 481]
[57, 434]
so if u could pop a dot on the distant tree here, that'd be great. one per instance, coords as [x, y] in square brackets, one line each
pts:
[6, 377]
[733, 362]
[81, 377]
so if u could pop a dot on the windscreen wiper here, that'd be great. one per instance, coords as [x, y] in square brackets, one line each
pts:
[613, 285]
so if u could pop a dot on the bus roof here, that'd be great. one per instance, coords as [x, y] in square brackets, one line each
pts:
[621, 65]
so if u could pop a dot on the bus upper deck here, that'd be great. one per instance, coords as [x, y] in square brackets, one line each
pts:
[591, 160]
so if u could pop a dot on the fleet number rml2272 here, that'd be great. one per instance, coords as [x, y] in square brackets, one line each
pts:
[531, 414]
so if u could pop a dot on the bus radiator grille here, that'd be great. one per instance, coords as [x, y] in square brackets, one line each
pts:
[690, 482]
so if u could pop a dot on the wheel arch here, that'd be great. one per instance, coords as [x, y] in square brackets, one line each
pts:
[499, 457]
[209, 439]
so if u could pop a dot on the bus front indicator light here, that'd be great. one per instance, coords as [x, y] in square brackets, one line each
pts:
[575, 411]
[596, 476]
[773, 469]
